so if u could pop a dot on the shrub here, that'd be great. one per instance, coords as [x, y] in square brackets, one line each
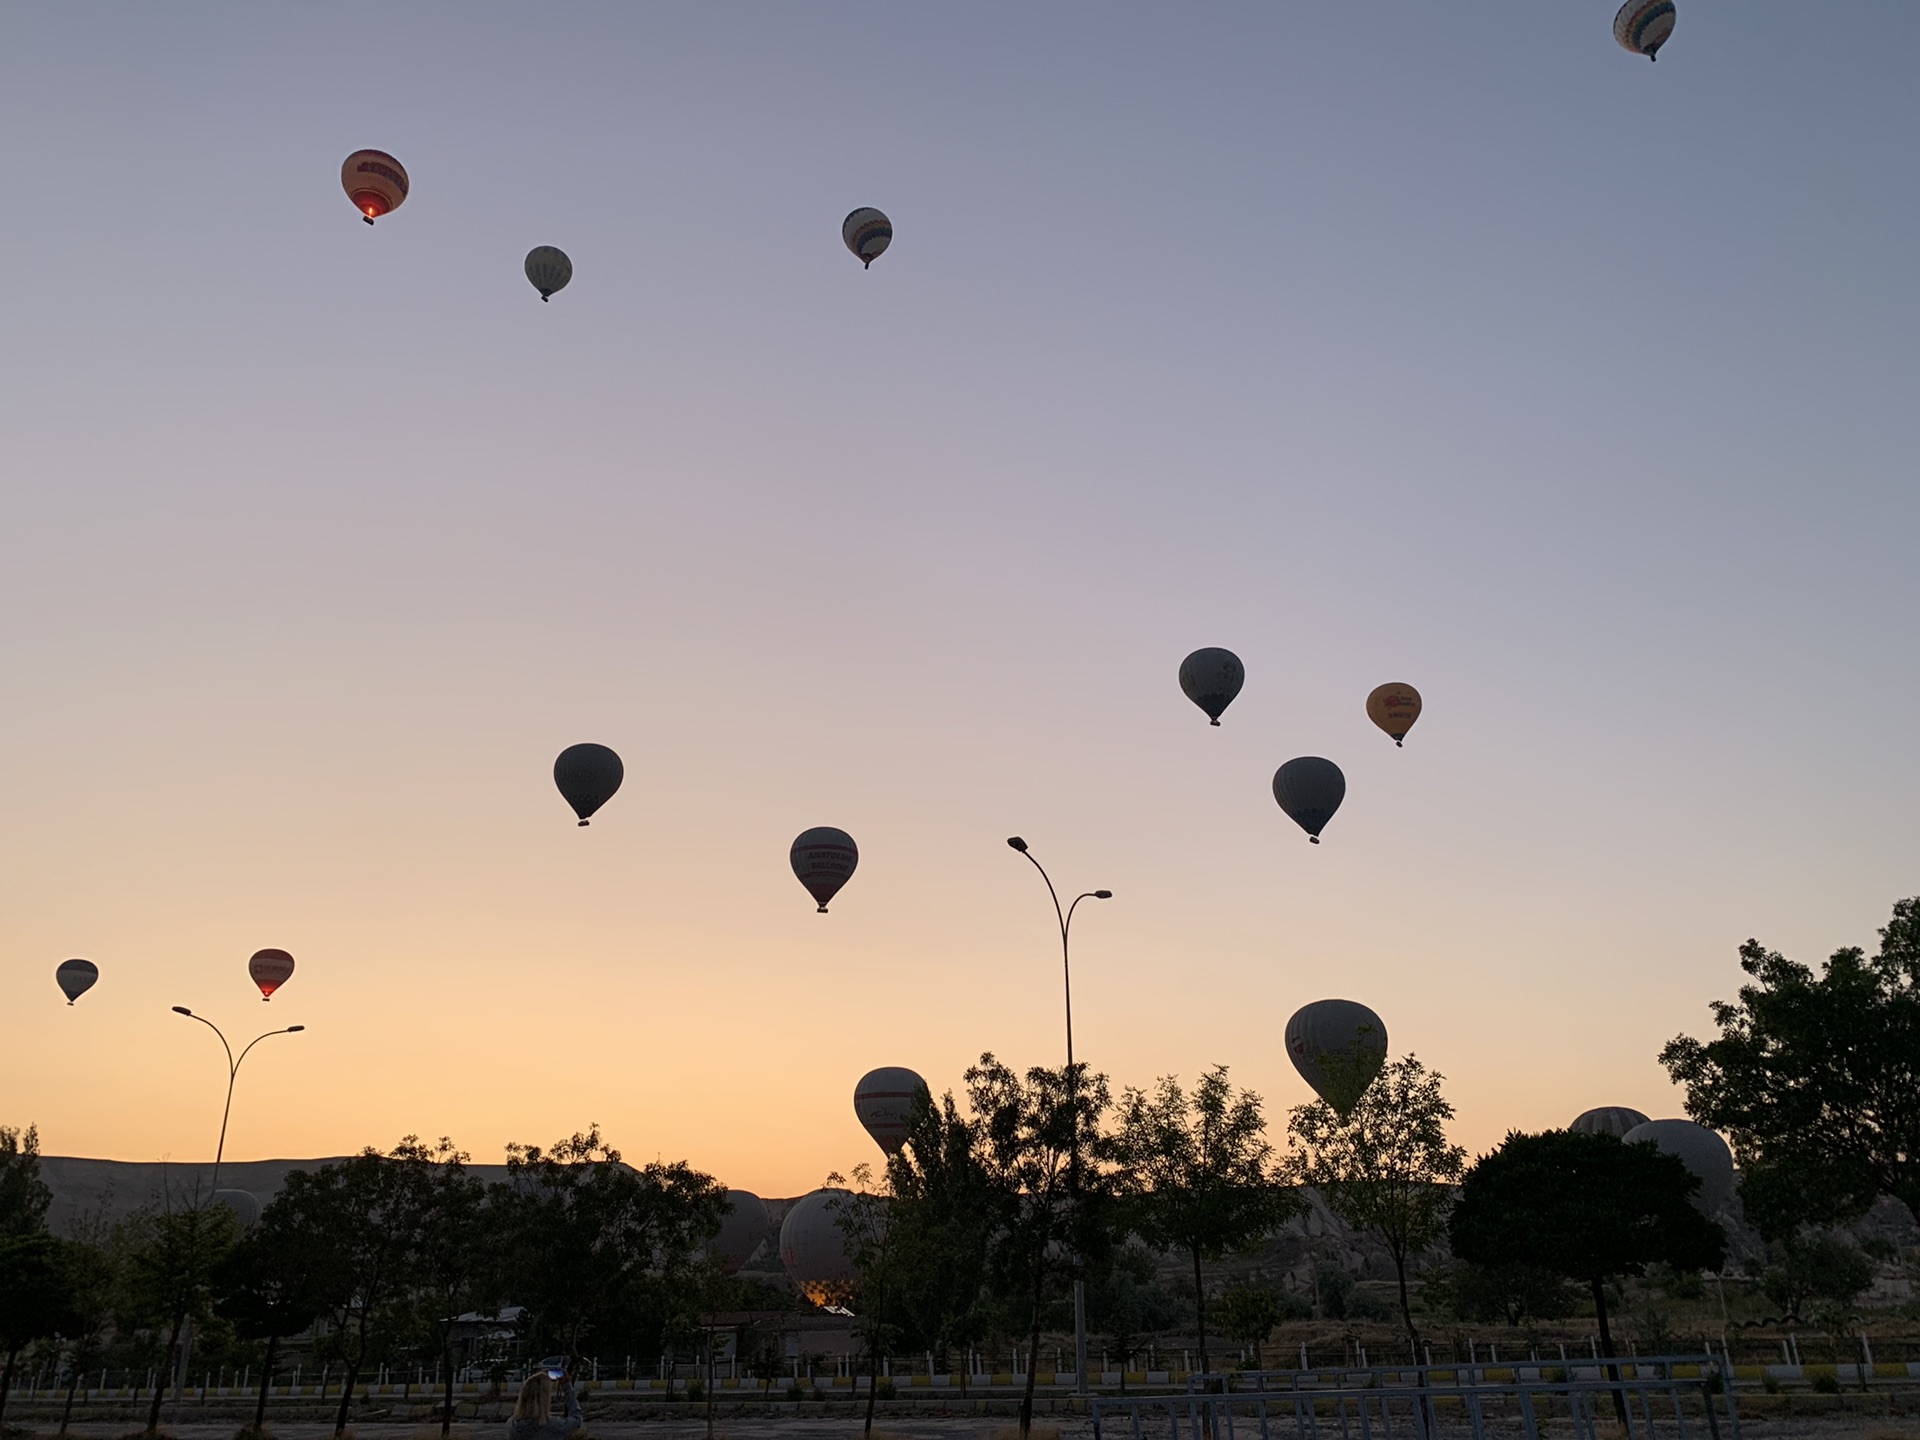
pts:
[696, 1392]
[794, 1392]
[884, 1390]
[1826, 1384]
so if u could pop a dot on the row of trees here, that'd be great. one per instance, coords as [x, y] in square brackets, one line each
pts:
[377, 1256]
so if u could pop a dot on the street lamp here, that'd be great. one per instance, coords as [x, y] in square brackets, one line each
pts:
[219, 1154]
[1065, 917]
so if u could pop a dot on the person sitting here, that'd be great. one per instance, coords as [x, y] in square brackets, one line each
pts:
[532, 1417]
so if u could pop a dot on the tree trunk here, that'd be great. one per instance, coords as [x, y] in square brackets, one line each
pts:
[873, 1373]
[266, 1385]
[166, 1374]
[446, 1364]
[1033, 1349]
[73, 1384]
[1606, 1346]
[341, 1415]
[1406, 1307]
[6, 1382]
[1200, 1309]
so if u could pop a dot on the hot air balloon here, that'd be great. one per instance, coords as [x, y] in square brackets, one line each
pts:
[1394, 708]
[884, 1101]
[244, 1204]
[1211, 678]
[587, 776]
[549, 269]
[375, 182]
[1643, 26]
[1310, 789]
[867, 233]
[270, 970]
[75, 977]
[743, 1230]
[823, 860]
[814, 1249]
[1703, 1152]
[1614, 1120]
[1338, 1046]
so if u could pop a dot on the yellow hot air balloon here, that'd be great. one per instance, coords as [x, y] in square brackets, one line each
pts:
[1394, 708]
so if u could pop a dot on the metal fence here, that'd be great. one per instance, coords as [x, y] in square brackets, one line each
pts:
[1682, 1397]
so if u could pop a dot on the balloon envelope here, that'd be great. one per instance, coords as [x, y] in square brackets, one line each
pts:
[270, 970]
[823, 860]
[884, 1101]
[587, 776]
[1310, 789]
[1614, 1120]
[1211, 678]
[75, 978]
[244, 1204]
[1643, 26]
[1700, 1150]
[867, 232]
[1394, 708]
[375, 182]
[743, 1230]
[1338, 1046]
[814, 1249]
[549, 269]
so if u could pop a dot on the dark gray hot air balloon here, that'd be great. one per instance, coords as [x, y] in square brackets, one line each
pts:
[75, 978]
[587, 776]
[814, 1248]
[1338, 1046]
[868, 232]
[244, 1204]
[884, 1100]
[1310, 789]
[823, 860]
[1700, 1150]
[1614, 1120]
[549, 269]
[1211, 678]
[743, 1230]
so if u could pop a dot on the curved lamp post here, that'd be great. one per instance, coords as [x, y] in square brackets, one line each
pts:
[1065, 917]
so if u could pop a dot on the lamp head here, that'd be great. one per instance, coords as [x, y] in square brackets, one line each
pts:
[182, 1010]
[1017, 843]
[1103, 894]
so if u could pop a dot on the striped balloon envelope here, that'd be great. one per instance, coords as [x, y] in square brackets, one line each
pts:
[1643, 26]
[375, 182]
[270, 969]
[549, 269]
[867, 232]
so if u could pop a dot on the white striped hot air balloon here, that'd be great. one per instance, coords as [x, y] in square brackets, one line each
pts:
[867, 232]
[549, 269]
[1643, 26]
[375, 182]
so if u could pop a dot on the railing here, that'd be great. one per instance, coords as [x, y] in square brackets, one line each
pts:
[1439, 1402]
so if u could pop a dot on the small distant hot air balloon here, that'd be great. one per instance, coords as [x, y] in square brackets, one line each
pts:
[1700, 1150]
[270, 970]
[1310, 789]
[1643, 26]
[75, 977]
[587, 776]
[1394, 708]
[1614, 1120]
[823, 860]
[549, 269]
[884, 1101]
[1211, 678]
[375, 182]
[1338, 1046]
[868, 233]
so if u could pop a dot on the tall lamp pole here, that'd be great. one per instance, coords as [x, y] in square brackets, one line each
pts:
[1065, 917]
[219, 1154]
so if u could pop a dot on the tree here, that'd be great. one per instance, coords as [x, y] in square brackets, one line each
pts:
[1506, 1293]
[861, 1215]
[1196, 1172]
[454, 1264]
[940, 1224]
[267, 1290]
[32, 1298]
[1250, 1312]
[91, 1284]
[24, 1196]
[1813, 1077]
[1388, 1167]
[1040, 1148]
[598, 1250]
[1817, 1266]
[170, 1259]
[1586, 1207]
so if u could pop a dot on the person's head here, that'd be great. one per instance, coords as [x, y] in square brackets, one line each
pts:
[536, 1397]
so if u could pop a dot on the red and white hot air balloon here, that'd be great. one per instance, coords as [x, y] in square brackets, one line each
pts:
[375, 182]
[270, 970]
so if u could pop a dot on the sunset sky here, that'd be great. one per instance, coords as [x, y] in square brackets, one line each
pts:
[1442, 344]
